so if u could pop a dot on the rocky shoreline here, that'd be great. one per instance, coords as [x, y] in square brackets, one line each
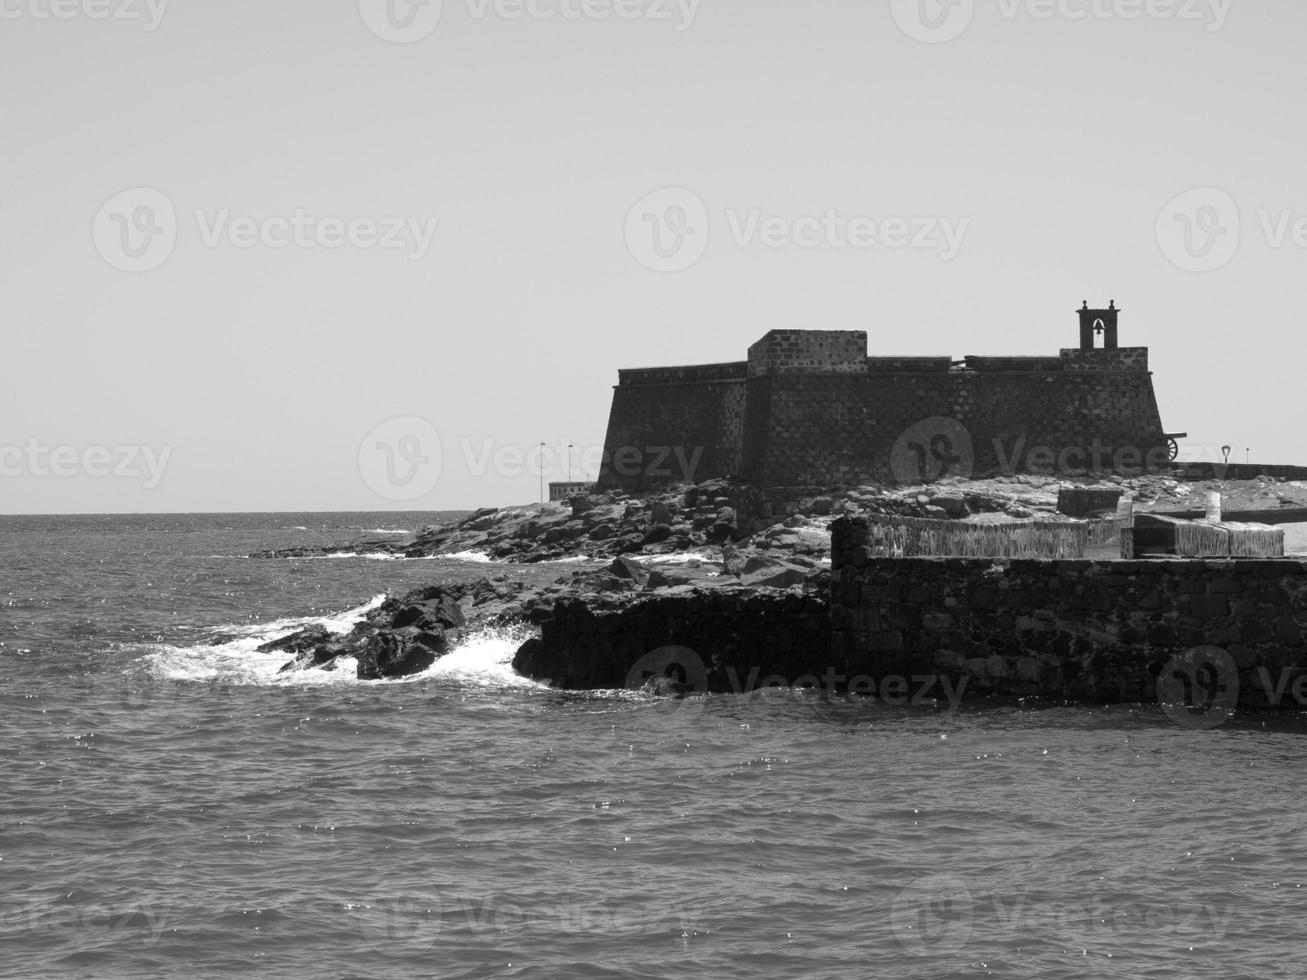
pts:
[721, 548]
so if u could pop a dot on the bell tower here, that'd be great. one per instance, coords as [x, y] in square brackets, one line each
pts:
[1093, 322]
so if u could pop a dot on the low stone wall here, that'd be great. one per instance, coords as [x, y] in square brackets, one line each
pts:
[734, 634]
[1088, 630]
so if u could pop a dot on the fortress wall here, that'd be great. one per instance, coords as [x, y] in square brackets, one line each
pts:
[1117, 359]
[674, 432]
[831, 429]
[788, 351]
[1093, 630]
[688, 374]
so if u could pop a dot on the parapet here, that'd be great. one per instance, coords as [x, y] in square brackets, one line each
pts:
[1014, 363]
[809, 352]
[688, 374]
[911, 364]
[1112, 359]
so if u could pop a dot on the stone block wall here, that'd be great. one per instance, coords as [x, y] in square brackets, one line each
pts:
[790, 351]
[736, 635]
[816, 429]
[1089, 630]
[811, 408]
[679, 431]
[1116, 359]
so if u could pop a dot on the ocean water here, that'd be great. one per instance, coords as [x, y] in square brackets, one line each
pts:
[171, 806]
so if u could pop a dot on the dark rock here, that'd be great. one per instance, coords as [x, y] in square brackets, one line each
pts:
[658, 534]
[389, 655]
[299, 642]
[632, 571]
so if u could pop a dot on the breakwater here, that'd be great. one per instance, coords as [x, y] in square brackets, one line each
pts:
[1084, 630]
[1101, 631]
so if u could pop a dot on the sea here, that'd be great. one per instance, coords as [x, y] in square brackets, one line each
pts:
[171, 805]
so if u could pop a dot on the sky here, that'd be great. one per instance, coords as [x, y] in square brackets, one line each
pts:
[368, 255]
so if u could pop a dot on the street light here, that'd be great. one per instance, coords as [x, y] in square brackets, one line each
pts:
[569, 462]
[542, 472]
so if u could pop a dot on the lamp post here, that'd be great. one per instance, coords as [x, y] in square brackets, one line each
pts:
[569, 462]
[542, 472]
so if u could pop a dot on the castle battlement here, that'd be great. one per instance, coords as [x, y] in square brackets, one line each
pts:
[812, 407]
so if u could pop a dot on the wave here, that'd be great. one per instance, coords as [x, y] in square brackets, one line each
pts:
[387, 530]
[480, 658]
[479, 557]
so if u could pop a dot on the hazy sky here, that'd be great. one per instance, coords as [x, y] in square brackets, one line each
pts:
[247, 246]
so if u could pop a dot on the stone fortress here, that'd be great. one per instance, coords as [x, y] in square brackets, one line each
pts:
[811, 408]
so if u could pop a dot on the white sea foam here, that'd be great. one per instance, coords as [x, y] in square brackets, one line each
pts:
[480, 557]
[482, 658]
[680, 558]
[387, 530]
